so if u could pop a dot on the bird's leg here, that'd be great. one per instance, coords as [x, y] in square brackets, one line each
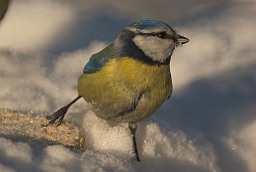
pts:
[133, 127]
[59, 114]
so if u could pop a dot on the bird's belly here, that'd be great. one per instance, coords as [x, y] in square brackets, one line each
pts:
[110, 103]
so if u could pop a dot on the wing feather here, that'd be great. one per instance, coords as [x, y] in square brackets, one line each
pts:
[98, 60]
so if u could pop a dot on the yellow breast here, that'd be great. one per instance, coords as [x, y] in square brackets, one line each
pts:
[119, 82]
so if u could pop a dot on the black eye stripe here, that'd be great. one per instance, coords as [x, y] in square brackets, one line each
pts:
[158, 34]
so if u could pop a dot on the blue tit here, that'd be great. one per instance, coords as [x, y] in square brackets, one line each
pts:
[129, 79]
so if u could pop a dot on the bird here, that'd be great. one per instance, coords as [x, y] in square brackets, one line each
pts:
[129, 79]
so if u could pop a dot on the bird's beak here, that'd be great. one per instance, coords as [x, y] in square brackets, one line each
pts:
[181, 39]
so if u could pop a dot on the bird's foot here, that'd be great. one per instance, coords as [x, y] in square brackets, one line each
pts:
[57, 117]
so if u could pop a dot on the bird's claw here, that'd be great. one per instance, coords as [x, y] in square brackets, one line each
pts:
[57, 117]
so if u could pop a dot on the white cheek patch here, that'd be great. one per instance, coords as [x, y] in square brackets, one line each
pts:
[157, 49]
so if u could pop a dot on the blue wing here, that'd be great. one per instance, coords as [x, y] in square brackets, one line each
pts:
[98, 60]
[95, 63]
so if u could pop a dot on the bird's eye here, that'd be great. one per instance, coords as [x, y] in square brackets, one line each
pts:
[162, 35]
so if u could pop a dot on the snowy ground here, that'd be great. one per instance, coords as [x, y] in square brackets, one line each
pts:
[207, 125]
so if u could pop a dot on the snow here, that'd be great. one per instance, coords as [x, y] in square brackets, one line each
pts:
[207, 125]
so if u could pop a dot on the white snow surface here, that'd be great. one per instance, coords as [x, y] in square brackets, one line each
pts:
[207, 125]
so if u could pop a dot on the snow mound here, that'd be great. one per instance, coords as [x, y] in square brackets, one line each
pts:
[106, 148]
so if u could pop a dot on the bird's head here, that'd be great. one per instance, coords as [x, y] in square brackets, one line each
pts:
[154, 39]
